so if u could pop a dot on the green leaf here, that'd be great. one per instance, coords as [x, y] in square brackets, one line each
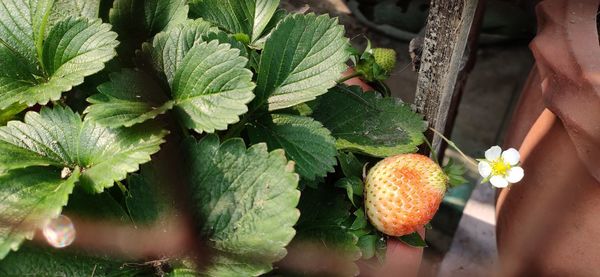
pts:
[253, 60]
[65, 8]
[353, 186]
[368, 246]
[222, 37]
[311, 183]
[11, 113]
[41, 261]
[365, 123]
[246, 203]
[137, 21]
[146, 202]
[455, 173]
[323, 216]
[304, 140]
[242, 37]
[413, 240]
[130, 97]
[381, 248]
[279, 15]
[147, 16]
[360, 221]
[350, 165]
[249, 17]
[370, 241]
[75, 48]
[59, 137]
[170, 47]
[99, 206]
[23, 27]
[14, 79]
[183, 271]
[29, 198]
[302, 59]
[212, 87]
[14, 71]
[303, 109]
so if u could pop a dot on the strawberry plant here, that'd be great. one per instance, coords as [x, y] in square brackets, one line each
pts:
[236, 100]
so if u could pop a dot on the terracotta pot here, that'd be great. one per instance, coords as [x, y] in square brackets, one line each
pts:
[549, 223]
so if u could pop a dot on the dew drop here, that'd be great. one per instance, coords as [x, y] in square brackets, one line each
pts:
[66, 172]
[59, 232]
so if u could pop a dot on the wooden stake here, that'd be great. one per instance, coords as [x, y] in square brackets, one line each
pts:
[443, 57]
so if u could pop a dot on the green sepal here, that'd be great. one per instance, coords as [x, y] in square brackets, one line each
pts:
[413, 239]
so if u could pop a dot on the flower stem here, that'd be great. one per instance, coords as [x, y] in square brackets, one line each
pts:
[453, 145]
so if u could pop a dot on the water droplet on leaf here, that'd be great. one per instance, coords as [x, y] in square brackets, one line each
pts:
[65, 172]
[59, 232]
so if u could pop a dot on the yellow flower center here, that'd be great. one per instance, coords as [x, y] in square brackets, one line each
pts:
[500, 167]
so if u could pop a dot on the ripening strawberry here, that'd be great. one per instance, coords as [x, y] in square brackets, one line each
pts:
[403, 192]
[376, 64]
[385, 58]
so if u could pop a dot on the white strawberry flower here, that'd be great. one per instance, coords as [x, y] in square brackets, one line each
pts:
[501, 168]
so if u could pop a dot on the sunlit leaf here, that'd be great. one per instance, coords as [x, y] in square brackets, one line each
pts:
[130, 97]
[35, 72]
[249, 17]
[60, 138]
[304, 140]
[302, 59]
[212, 87]
[365, 123]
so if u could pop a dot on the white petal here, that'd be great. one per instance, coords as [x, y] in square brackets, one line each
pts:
[515, 174]
[498, 181]
[511, 156]
[493, 153]
[485, 169]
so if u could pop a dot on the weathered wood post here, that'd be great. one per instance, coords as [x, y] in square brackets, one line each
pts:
[444, 60]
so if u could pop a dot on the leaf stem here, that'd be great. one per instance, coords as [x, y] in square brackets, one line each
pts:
[121, 187]
[453, 145]
[184, 129]
[236, 129]
[433, 152]
[250, 116]
[344, 79]
[357, 97]
[385, 89]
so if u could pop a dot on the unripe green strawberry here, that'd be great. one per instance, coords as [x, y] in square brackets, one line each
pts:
[403, 192]
[385, 58]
